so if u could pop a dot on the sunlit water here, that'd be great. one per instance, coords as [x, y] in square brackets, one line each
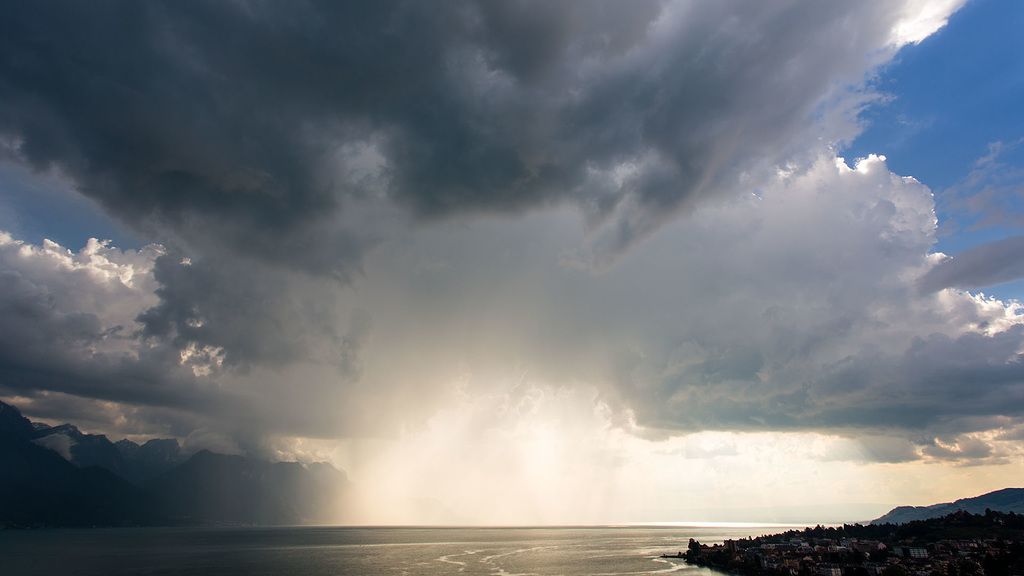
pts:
[358, 551]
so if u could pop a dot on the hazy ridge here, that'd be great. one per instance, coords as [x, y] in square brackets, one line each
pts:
[1005, 500]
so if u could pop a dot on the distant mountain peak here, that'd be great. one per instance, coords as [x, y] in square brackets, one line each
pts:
[126, 447]
[69, 429]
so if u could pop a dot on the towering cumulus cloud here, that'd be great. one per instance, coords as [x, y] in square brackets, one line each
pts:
[365, 214]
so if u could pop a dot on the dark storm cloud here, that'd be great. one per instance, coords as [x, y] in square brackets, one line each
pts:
[152, 337]
[980, 266]
[274, 148]
[70, 343]
[47, 358]
[964, 384]
[957, 385]
[269, 319]
[161, 112]
[255, 136]
[220, 121]
[201, 305]
[64, 330]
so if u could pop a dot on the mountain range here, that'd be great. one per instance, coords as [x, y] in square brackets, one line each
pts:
[1006, 500]
[58, 476]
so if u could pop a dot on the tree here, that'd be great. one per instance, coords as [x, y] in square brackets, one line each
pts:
[693, 550]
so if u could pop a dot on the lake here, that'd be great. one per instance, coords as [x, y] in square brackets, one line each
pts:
[322, 551]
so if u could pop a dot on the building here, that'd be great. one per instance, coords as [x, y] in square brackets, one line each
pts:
[829, 569]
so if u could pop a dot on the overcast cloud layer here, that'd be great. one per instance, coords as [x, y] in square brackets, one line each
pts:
[363, 213]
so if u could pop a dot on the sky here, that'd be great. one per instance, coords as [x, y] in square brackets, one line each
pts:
[529, 263]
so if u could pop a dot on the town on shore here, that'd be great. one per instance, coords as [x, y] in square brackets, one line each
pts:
[959, 544]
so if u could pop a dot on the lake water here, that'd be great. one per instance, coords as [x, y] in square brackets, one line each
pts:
[323, 551]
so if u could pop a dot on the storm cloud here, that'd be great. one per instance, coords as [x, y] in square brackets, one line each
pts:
[365, 213]
[252, 126]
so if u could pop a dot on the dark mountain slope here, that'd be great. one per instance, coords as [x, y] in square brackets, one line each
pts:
[216, 488]
[40, 488]
[82, 450]
[134, 463]
[145, 462]
[46, 480]
[1005, 500]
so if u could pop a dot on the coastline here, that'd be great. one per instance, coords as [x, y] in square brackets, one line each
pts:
[961, 544]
